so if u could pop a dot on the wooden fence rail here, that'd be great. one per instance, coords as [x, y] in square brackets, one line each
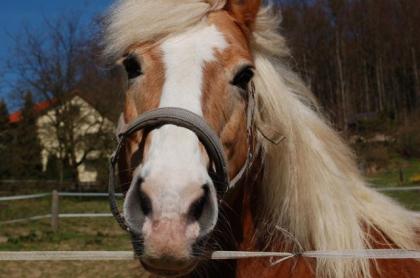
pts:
[55, 214]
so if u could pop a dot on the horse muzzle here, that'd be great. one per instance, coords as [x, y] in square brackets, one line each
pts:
[217, 171]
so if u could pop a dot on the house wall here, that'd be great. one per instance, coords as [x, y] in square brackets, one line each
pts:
[89, 123]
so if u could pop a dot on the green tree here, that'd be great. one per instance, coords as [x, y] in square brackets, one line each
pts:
[5, 140]
[26, 146]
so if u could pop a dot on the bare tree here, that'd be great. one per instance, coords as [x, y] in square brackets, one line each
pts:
[52, 64]
[361, 56]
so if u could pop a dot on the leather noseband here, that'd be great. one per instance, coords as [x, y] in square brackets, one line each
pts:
[182, 118]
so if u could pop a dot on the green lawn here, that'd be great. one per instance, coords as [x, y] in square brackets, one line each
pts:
[79, 234]
[391, 178]
[26, 208]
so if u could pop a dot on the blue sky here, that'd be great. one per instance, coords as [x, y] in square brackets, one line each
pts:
[15, 13]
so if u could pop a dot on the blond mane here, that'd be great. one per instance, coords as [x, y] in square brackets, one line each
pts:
[134, 21]
[312, 187]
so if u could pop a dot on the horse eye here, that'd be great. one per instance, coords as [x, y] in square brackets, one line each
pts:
[243, 77]
[132, 67]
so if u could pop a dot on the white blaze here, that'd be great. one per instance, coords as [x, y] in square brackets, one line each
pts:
[184, 57]
[174, 159]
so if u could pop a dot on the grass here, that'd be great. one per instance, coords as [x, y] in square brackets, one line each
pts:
[27, 208]
[81, 233]
[391, 178]
[73, 234]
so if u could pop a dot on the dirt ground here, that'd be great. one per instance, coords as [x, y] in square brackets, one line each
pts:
[72, 270]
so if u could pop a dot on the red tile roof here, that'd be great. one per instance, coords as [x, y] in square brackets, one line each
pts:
[38, 108]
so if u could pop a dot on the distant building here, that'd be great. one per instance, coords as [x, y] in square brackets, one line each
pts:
[90, 122]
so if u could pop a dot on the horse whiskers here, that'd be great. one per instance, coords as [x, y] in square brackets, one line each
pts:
[124, 184]
[127, 170]
[200, 271]
[228, 206]
[224, 223]
[208, 268]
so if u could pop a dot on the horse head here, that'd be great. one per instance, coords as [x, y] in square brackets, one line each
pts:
[206, 68]
[207, 57]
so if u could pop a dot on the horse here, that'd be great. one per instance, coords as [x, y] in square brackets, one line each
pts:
[301, 189]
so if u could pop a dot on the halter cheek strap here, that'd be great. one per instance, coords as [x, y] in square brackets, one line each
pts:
[253, 149]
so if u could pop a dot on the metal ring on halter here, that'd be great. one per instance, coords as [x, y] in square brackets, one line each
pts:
[179, 117]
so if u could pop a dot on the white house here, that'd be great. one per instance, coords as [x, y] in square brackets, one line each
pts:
[88, 122]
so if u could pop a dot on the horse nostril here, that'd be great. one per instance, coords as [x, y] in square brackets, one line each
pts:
[145, 203]
[197, 207]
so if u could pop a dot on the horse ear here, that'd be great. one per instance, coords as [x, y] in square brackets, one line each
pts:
[244, 11]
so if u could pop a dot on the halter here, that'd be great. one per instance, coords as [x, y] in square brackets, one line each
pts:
[207, 136]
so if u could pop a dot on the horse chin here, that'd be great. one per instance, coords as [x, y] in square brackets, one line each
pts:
[163, 269]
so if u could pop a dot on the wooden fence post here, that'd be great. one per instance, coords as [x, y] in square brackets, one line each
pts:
[402, 180]
[55, 210]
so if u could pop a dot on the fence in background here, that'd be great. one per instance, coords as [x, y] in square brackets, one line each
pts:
[55, 214]
[19, 186]
[400, 188]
